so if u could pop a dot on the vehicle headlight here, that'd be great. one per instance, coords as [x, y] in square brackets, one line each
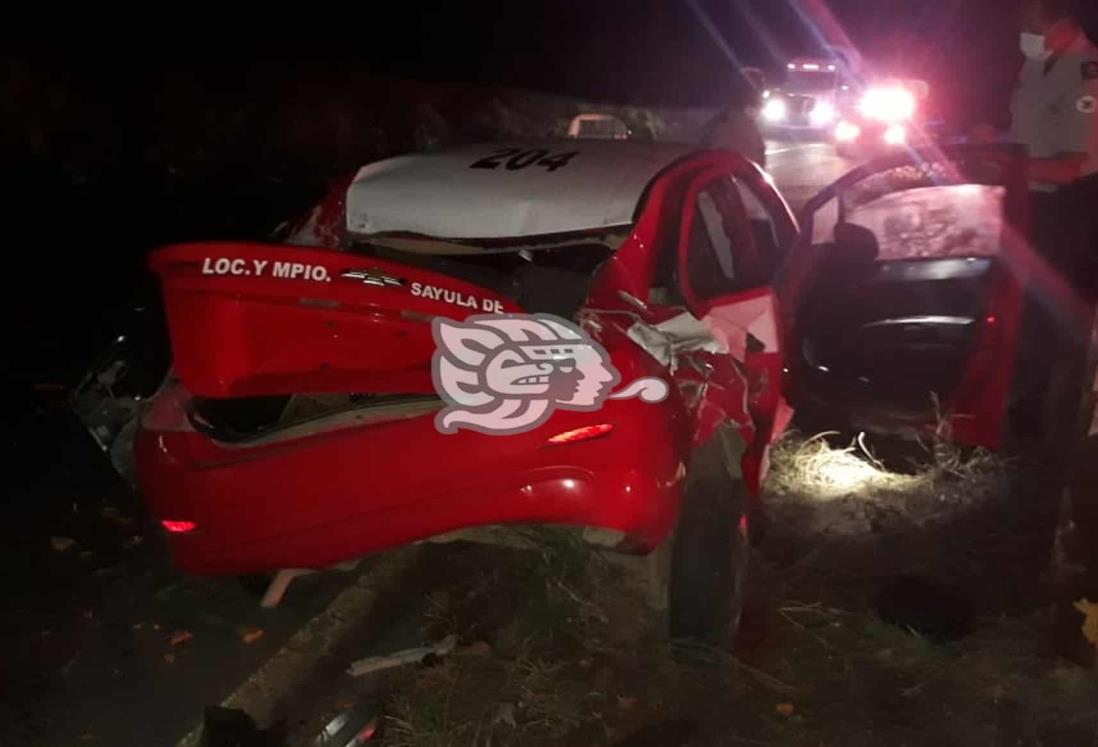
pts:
[895, 135]
[775, 110]
[847, 132]
[888, 104]
[823, 113]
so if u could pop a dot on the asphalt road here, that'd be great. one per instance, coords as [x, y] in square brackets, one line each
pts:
[801, 169]
[101, 642]
[94, 645]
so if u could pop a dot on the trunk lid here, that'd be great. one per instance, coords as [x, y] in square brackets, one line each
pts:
[254, 319]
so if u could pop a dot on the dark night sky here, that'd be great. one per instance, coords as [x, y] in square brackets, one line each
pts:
[639, 50]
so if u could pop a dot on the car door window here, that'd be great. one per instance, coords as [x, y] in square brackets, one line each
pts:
[720, 255]
[764, 227]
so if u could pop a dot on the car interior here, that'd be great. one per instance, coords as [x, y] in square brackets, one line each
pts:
[915, 290]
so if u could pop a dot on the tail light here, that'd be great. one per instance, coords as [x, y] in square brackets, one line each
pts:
[178, 527]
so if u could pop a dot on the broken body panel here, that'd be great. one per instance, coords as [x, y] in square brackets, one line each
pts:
[297, 429]
[362, 468]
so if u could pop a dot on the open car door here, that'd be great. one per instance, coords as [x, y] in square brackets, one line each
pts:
[733, 230]
[904, 294]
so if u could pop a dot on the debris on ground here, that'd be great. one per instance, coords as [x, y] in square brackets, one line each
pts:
[60, 544]
[400, 658]
[251, 635]
[353, 726]
[179, 637]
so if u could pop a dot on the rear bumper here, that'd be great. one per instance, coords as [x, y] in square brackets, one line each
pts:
[327, 497]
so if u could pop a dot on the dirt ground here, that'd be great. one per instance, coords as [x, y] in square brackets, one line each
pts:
[885, 608]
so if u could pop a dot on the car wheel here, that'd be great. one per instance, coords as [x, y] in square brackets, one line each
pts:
[710, 551]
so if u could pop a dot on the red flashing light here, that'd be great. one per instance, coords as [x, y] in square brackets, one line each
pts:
[581, 434]
[178, 527]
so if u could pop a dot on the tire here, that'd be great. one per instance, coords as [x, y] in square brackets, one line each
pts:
[710, 551]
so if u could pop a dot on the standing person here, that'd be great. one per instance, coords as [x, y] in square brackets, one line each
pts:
[736, 126]
[1055, 116]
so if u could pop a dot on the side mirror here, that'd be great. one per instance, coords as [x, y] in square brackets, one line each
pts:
[855, 246]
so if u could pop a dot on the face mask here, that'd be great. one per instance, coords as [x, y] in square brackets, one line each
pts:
[1033, 47]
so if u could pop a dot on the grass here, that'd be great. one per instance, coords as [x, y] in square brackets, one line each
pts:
[533, 683]
[578, 659]
[425, 717]
[823, 675]
[813, 467]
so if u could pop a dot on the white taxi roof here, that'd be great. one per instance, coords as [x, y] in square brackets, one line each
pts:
[507, 190]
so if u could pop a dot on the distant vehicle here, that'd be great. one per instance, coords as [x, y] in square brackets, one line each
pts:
[598, 127]
[887, 115]
[815, 90]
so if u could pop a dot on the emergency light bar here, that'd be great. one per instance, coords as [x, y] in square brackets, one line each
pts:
[811, 66]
